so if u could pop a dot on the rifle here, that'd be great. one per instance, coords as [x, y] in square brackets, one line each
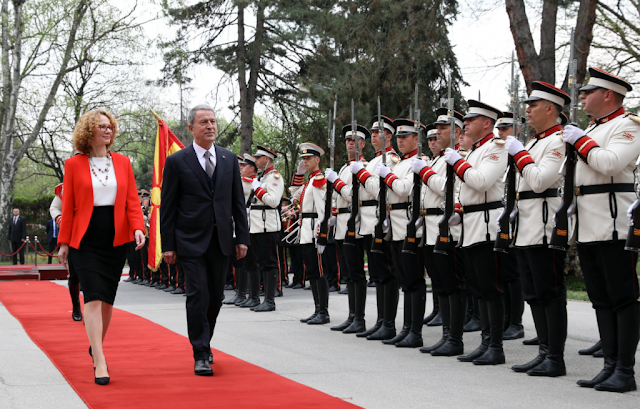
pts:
[379, 230]
[442, 241]
[633, 237]
[350, 237]
[323, 234]
[410, 243]
[503, 238]
[560, 234]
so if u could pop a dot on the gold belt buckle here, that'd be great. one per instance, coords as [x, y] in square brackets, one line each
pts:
[388, 207]
[517, 195]
[577, 191]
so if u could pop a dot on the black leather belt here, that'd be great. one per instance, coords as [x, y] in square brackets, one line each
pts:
[309, 215]
[482, 207]
[434, 211]
[342, 210]
[605, 188]
[366, 203]
[397, 206]
[262, 207]
[530, 194]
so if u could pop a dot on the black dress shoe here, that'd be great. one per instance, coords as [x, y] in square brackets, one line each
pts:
[146, 283]
[308, 288]
[128, 279]
[100, 381]
[251, 302]
[297, 286]
[334, 289]
[178, 291]
[169, 289]
[532, 341]
[278, 293]
[210, 358]
[162, 287]
[137, 281]
[76, 315]
[154, 285]
[513, 332]
[202, 368]
[290, 285]
[371, 284]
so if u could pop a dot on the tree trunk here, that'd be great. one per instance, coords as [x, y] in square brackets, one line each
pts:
[523, 40]
[548, 42]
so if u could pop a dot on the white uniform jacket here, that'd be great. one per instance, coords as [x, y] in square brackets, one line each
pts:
[481, 173]
[370, 189]
[343, 195]
[265, 209]
[607, 159]
[311, 195]
[539, 167]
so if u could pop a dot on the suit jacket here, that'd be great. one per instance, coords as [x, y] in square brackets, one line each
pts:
[50, 237]
[18, 231]
[77, 202]
[188, 208]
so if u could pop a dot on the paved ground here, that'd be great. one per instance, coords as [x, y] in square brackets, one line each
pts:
[366, 373]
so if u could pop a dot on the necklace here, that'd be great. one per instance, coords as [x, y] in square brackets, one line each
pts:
[105, 170]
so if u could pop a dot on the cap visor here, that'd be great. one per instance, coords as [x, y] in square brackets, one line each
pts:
[532, 99]
[589, 87]
[464, 118]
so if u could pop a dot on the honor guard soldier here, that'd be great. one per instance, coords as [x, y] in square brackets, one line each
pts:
[371, 213]
[353, 254]
[514, 303]
[265, 224]
[541, 268]
[604, 182]
[247, 273]
[446, 270]
[480, 198]
[409, 267]
[311, 195]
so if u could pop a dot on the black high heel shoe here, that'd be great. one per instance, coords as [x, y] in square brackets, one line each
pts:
[101, 381]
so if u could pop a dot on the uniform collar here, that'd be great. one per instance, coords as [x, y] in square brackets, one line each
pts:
[609, 117]
[548, 132]
[268, 170]
[388, 149]
[248, 179]
[314, 173]
[482, 141]
[410, 154]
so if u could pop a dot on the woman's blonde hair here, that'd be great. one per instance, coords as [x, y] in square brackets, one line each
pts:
[83, 133]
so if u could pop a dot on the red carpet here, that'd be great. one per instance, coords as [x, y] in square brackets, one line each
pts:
[150, 366]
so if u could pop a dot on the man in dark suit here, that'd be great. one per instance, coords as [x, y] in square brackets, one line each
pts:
[17, 235]
[52, 236]
[202, 202]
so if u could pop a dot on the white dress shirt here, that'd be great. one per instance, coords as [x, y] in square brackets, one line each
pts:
[200, 154]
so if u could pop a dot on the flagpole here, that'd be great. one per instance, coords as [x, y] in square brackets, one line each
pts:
[156, 115]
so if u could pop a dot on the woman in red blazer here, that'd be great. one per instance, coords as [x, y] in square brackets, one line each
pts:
[100, 215]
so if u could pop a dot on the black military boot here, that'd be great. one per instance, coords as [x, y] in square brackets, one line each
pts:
[532, 341]
[241, 287]
[254, 289]
[591, 350]
[271, 285]
[351, 297]
[457, 314]
[553, 364]
[607, 326]
[358, 326]
[380, 301]
[540, 321]
[434, 311]
[418, 304]
[622, 379]
[323, 302]
[406, 326]
[485, 331]
[515, 329]
[387, 329]
[443, 303]
[495, 353]
[474, 324]
[314, 291]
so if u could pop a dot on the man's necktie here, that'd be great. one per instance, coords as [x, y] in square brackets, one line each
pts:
[15, 219]
[208, 165]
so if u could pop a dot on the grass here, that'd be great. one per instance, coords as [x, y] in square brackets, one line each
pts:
[576, 289]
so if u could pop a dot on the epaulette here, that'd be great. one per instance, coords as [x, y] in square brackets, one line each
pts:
[58, 190]
[498, 141]
[276, 175]
[319, 180]
[635, 118]
[394, 157]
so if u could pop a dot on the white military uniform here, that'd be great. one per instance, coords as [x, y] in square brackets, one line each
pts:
[400, 183]
[481, 173]
[55, 209]
[540, 166]
[344, 190]
[264, 216]
[371, 183]
[311, 195]
[612, 161]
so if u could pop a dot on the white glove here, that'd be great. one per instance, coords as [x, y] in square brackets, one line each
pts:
[417, 165]
[571, 210]
[419, 222]
[383, 170]
[331, 175]
[455, 219]
[256, 184]
[332, 221]
[301, 169]
[385, 224]
[630, 211]
[572, 133]
[513, 214]
[451, 156]
[320, 248]
[356, 167]
[248, 211]
[513, 146]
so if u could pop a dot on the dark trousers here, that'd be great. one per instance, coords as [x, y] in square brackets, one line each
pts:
[609, 274]
[282, 265]
[541, 274]
[509, 266]
[483, 271]
[354, 257]
[134, 266]
[265, 249]
[313, 266]
[445, 270]
[333, 263]
[381, 267]
[15, 245]
[52, 246]
[205, 276]
[296, 267]
[409, 267]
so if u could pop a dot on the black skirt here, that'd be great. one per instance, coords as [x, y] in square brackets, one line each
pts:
[97, 262]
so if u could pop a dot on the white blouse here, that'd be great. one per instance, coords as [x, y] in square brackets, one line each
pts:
[103, 195]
